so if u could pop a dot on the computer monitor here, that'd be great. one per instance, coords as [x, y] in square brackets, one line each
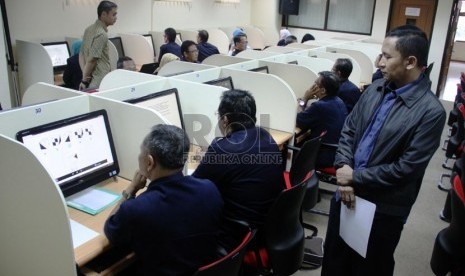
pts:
[293, 62]
[59, 53]
[223, 82]
[261, 69]
[77, 152]
[149, 39]
[166, 102]
[119, 45]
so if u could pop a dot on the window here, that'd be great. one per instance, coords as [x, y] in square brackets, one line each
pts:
[460, 32]
[352, 16]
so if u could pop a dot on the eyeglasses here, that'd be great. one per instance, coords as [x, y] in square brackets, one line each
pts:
[193, 51]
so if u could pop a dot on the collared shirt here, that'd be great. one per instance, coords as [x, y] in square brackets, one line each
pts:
[367, 143]
[95, 45]
[205, 50]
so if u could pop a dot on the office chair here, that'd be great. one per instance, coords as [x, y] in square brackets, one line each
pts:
[449, 247]
[231, 263]
[282, 249]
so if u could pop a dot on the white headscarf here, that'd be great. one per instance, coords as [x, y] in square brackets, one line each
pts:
[284, 33]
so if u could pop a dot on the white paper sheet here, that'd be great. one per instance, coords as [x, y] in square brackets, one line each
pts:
[355, 224]
[93, 198]
[80, 233]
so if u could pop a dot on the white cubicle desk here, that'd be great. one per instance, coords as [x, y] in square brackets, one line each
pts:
[138, 48]
[372, 50]
[282, 49]
[44, 92]
[178, 67]
[255, 54]
[298, 45]
[120, 77]
[221, 60]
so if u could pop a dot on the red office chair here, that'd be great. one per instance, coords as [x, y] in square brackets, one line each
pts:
[229, 265]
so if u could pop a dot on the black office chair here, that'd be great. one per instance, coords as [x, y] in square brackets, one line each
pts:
[230, 264]
[449, 247]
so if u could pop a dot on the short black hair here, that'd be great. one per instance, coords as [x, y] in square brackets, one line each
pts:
[344, 66]
[170, 34]
[168, 145]
[237, 38]
[105, 6]
[290, 39]
[330, 82]
[412, 41]
[186, 44]
[307, 37]
[121, 60]
[239, 108]
[203, 34]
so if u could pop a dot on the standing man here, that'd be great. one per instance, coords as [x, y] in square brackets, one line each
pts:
[93, 57]
[386, 144]
[348, 91]
[205, 49]
[173, 225]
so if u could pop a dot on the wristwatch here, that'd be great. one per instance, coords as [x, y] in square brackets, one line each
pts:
[126, 195]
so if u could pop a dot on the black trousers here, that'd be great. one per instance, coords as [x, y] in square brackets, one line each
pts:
[340, 259]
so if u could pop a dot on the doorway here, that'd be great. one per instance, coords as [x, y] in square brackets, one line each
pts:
[420, 13]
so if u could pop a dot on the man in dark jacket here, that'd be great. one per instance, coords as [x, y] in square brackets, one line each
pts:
[205, 49]
[385, 146]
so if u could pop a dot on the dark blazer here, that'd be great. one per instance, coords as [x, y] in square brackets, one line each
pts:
[72, 75]
[205, 50]
[172, 48]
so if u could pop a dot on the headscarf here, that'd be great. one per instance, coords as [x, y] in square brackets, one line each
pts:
[76, 46]
[238, 31]
[284, 33]
[166, 58]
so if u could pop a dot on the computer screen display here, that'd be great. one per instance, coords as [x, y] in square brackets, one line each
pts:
[223, 82]
[293, 62]
[59, 53]
[166, 102]
[148, 37]
[77, 152]
[118, 44]
[261, 69]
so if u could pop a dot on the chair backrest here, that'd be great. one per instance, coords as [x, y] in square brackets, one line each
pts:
[305, 159]
[230, 264]
[284, 233]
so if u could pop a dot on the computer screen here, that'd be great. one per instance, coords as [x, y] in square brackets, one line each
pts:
[118, 44]
[59, 53]
[166, 102]
[224, 82]
[261, 69]
[148, 37]
[77, 152]
[293, 62]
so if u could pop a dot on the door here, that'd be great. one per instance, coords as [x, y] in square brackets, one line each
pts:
[413, 12]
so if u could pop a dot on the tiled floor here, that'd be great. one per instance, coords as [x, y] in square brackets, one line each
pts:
[453, 76]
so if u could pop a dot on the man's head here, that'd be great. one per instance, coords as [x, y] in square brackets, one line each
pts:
[126, 63]
[106, 12]
[290, 39]
[170, 35]
[202, 36]
[189, 50]
[328, 83]
[404, 54]
[343, 68]
[236, 111]
[163, 150]
[240, 42]
[307, 37]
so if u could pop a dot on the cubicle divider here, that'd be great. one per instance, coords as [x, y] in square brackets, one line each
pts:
[221, 60]
[298, 45]
[281, 49]
[138, 48]
[119, 78]
[44, 92]
[255, 37]
[181, 67]
[365, 62]
[219, 38]
[254, 54]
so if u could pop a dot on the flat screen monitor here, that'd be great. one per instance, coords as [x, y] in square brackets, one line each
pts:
[59, 53]
[77, 152]
[293, 62]
[166, 102]
[119, 45]
[149, 39]
[261, 69]
[223, 82]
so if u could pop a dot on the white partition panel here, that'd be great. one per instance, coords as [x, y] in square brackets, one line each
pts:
[366, 65]
[254, 54]
[42, 92]
[178, 67]
[255, 37]
[189, 35]
[36, 235]
[221, 60]
[119, 78]
[137, 48]
[282, 49]
[246, 65]
[34, 64]
[219, 38]
[201, 76]
[158, 40]
[113, 55]
[315, 64]
[229, 31]
[297, 45]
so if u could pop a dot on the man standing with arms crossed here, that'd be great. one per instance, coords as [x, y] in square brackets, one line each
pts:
[386, 144]
[93, 57]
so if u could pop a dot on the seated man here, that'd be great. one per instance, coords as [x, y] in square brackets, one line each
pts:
[126, 63]
[205, 49]
[240, 44]
[246, 164]
[189, 51]
[173, 225]
[348, 92]
[170, 45]
[327, 114]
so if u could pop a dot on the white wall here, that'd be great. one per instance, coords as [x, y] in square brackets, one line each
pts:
[5, 96]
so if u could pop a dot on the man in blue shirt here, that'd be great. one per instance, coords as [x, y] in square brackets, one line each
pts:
[173, 225]
[348, 91]
[170, 45]
[385, 146]
[205, 49]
